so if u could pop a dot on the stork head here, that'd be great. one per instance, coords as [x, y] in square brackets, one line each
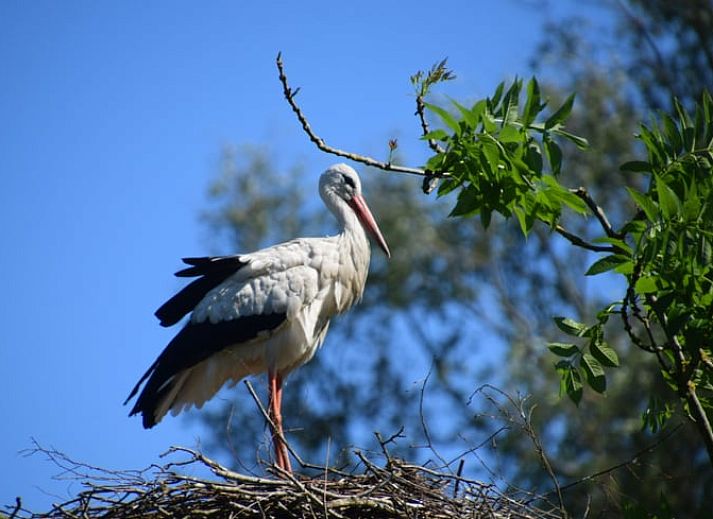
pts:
[341, 183]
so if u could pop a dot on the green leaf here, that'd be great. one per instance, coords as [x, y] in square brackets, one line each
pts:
[595, 373]
[646, 285]
[557, 192]
[691, 203]
[554, 155]
[652, 142]
[526, 220]
[570, 327]
[563, 350]
[656, 414]
[672, 133]
[668, 200]
[533, 158]
[448, 185]
[478, 109]
[510, 133]
[468, 116]
[618, 243]
[468, 202]
[498, 93]
[509, 109]
[492, 153]
[645, 203]
[636, 166]
[604, 354]
[438, 134]
[607, 263]
[573, 384]
[533, 103]
[488, 121]
[445, 116]
[561, 114]
[580, 142]
[485, 214]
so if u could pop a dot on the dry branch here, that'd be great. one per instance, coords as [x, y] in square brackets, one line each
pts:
[290, 94]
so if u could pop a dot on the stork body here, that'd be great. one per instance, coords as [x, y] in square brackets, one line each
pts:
[267, 311]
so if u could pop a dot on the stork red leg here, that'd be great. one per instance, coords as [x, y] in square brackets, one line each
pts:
[282, 457]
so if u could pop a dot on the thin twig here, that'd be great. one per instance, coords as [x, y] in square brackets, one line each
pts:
[303, 463]
[426, 432]
[290, 94]
[629, 461]
[421, 113]
[458, 476]
[267, 417]
[384, 442]
[524, 421]
[18, 507]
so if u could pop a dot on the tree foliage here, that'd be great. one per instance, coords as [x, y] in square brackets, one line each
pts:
[491, 155]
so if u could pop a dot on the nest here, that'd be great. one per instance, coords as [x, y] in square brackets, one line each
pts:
[397, 489]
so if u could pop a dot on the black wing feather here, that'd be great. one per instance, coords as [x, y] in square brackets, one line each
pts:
[212, 271]
[192, 345]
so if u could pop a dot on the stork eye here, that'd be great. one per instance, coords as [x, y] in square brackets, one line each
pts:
[349, 181]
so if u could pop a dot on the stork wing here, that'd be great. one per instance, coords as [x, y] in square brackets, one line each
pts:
[237, 304]
[212, 271]
[193, 344]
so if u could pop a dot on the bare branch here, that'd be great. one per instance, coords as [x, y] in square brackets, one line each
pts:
[420, 112]
[18, 507]
[290, 94]
[632, 459]
[266, 415]
[523, 419]
[426, 432]
[579, 242]
[582, 193]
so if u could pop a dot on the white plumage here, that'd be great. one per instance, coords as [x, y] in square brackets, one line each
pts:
[264, 311]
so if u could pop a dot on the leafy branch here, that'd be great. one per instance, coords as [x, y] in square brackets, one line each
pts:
[422, 83]
[503, 155]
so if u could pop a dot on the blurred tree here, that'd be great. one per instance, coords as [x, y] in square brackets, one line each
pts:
[480, 309]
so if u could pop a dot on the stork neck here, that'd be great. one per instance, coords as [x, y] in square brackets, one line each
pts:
[353, 241]
[350, 223]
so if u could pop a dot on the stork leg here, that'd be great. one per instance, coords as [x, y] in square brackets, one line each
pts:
[278, 439]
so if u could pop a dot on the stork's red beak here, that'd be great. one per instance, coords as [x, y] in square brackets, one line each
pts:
[362, 210]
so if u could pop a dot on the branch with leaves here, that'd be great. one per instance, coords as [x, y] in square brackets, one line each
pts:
[503, 155]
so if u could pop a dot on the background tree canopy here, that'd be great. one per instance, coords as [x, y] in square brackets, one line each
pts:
[460, 306]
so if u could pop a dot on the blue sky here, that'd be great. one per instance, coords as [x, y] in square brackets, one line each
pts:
[113, 117]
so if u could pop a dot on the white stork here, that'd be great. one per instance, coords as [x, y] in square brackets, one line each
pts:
[264, 311]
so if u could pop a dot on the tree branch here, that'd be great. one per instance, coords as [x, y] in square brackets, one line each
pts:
[582, 193]
[290, 94]
[420, 112]
[632, 459]
[579, 242]
[686, 386]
